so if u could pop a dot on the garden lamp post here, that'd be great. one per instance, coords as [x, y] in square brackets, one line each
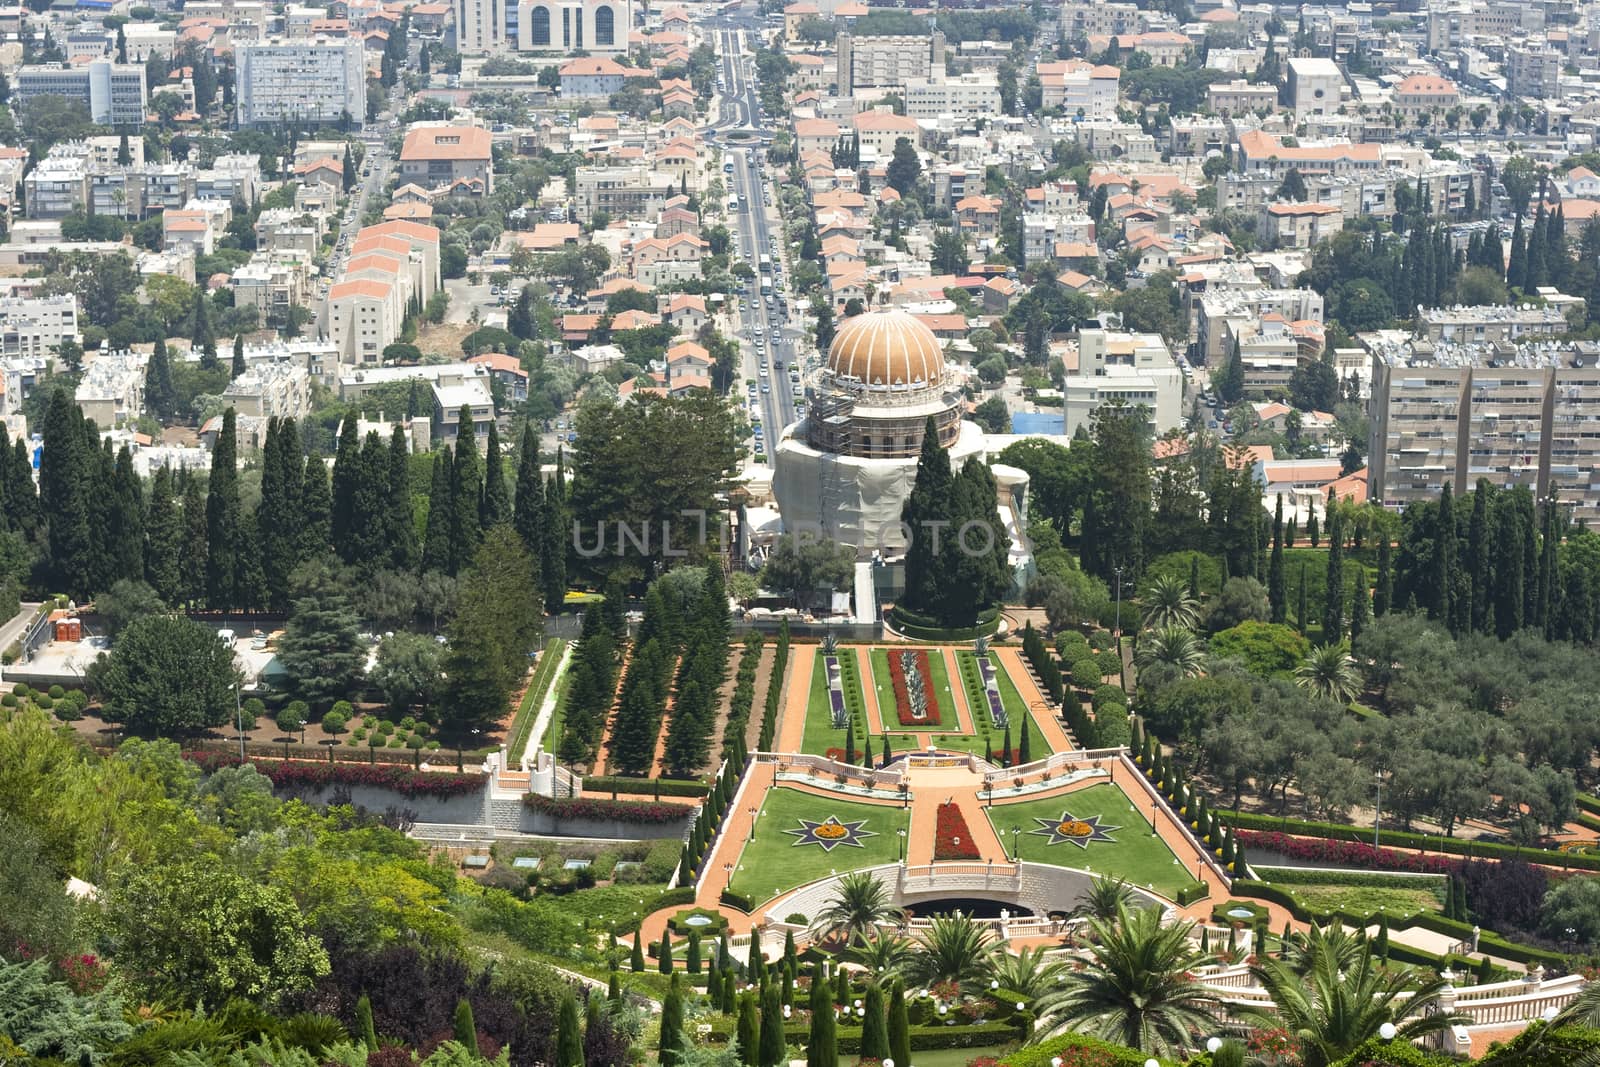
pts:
[902, 836]
[1117, 570]
[1377, 813]
[1016, 854]
[238, 718]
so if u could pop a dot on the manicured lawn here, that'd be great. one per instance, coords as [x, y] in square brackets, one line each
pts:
[883, 683]
[1356, 900]
[1010, 699]
[819, 734]
[538, 687]
[772, 862]
[1132, 853]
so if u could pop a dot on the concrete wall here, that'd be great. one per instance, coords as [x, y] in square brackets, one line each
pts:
[467, 809]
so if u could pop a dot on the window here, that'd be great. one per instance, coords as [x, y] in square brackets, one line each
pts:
[605, 21]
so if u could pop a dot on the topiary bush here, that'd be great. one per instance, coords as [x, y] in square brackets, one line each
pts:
[1110, 662]
[67, 711]
[334, 721]
[1086, 673]
[21, 689]
[57, 692]
[9, 700]
[43, 702]
[1108, 694]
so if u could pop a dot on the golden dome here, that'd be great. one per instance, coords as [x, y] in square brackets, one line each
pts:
[886, 348]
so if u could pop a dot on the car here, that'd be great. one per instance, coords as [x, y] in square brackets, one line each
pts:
[764, 388]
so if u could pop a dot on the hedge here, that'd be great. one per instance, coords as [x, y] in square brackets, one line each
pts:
[667, 787]
[634, 811]
[736, 900]
[1406, 839]
[1191, 893]
[303, 774]
[988, 623]
[1588, 803]
[1089, 1049]
[1359, 879]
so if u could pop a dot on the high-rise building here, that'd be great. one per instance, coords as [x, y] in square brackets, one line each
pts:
[114, 93]
[321, 79]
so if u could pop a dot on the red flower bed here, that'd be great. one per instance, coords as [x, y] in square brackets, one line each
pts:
[952, 840]
[1353, 853]
[607, 810]
[902, 692]
[304, 774]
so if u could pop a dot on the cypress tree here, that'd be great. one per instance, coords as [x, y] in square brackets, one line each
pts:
[496, 506]
[1300, 615]
[636, 958]
[160, 397]
[163, 539]
[899, 1025]
[874, 1025]
[748, 1031]
[528, 507]
[1024, 753]
[1538, 240]
[436, 534]
[346, 478]
[1333, 596]
[821, 1045]
[465, 1030]
[466, 483]
[866, 751]
[1005, 747]
[691, 962]
[1443, 574]
[1508, 583]
[369, 1035]
[1517, 265]
[1194, 578]
[1313, 531]
[771, 1042]
[125, 531]
[222, 517]
[569, 1034]
[316, 508]
[1277, 581]
[238, 367]
[791, 956]
[1360, 606]
[670, 1047]
[850, 741]
[614, 988]
[399, 525]
[557, 534]
[195, 553]
[1479, 556]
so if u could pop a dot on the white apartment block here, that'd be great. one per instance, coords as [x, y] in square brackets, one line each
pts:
[35, 326]
[1491, 323]
[1533, 71]
[114, 93]
[636, 192]
[268, 390]
[1221, 316]
[1134, 367]
[1081, 90]
[886, 62]
[146, 39]
[272, 283]
[321, 79]
[1085, 18]
[363, 318]
[965, 96]
[111, 391]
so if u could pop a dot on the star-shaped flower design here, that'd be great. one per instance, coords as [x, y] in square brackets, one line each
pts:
[1078, 831]
[830, 833]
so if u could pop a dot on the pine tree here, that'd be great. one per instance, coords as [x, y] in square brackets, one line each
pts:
[1277, 581]
[436, 537]
[747, 1031]
[125, 533]
[899, 1025]
[1517, 265]
[195, 553]
[346, 478]
[496, 505]
[222, 517]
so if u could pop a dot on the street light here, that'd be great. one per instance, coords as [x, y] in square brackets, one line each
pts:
[1016, 854]
[1377, 814]
[902, 835]
[1387, 1031]
[238, 718]
[1117, 570]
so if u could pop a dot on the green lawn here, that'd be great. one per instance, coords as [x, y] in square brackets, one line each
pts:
[1356, 900]
[772, 862]
[1133, 853]
[819, 733]
[883, 682]
[543, 675]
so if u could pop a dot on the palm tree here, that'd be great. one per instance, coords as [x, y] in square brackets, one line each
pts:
[859, 904]
[954, 949]
[882, 954]
[1344, 947]
[1105, 896]
[1167, 603]
[1029, 973]
[1174, 646]
[1135, 989]
[1330, 672]
[1331, 1009]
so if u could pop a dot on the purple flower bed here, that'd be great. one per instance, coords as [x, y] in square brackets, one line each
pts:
[830, 665]
[991, 690]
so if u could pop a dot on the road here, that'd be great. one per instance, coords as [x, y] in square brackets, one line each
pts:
[376, 165]
[769, 345]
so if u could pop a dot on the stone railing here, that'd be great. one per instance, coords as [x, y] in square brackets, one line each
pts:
[955, 878]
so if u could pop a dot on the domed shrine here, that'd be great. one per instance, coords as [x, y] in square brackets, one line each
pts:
[845, 470]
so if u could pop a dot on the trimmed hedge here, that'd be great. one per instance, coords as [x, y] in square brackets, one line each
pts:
[988, 623]
[1088, 1049]
[1362, 879]
[1406, 839]
[303, 774]
[633, 811]
[1191, 893]
[667, 787]
[736, 900]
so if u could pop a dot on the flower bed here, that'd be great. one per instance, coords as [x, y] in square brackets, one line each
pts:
[1327, 850]
[836, 706]
[305, 774]
[991, 693]
[952, 839]
[913, 688]
[606, 810]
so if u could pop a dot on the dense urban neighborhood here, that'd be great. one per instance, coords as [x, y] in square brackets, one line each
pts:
[745, 533]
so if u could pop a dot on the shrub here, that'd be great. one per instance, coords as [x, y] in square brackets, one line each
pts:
[1086, 673]
[408, 723]
[1100, 639]
[67, 711]
[9, 700]
[1111, 728]
[1110, 662]
[291, 719]
[358, 734]
[21, 689]
[44, 702]
[334, 721]
[345, 708]
[627, 811]
[1070, 641]
[255, 708]
[311, 774]
[1107, 694]
[396, 742]
[57, 692]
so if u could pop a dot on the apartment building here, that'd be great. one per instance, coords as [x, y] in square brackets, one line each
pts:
[1081, 90]
[35, 326]
[1221, 315]
[1134, 367]
[886, 62]
[1491, 323]
[1534, 71]
[1294, 225]
[623, 192]
[114, 93]
[1259, 152]
[318, 79]
[271, 390]
[111, 391]
[1240, 97]
[1085, 19]
[272, 283]
[1315, 86]
[964, 96]
[446, 156]
[1516, 415]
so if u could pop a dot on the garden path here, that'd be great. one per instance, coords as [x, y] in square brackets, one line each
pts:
[1049, 725]
[792, 718]
[932, 786]
[869, 689]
